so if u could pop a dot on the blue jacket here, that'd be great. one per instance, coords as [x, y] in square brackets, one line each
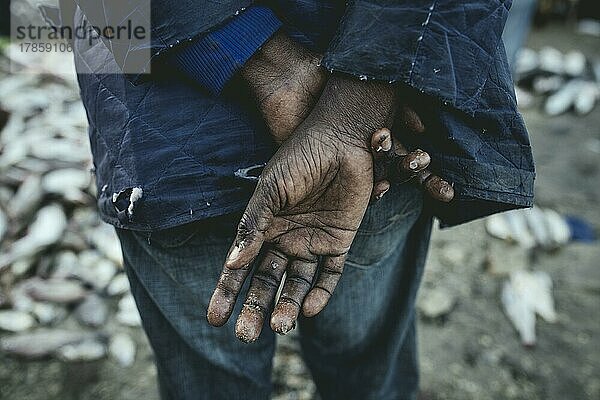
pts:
[180, 146]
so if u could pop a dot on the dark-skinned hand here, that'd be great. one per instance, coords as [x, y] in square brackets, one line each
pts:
[286, 99]
[286, 80]
[305, 211]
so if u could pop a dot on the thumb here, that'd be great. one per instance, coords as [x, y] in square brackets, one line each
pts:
[250, 231]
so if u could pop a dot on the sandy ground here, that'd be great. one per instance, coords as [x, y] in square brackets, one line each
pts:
[473, 352]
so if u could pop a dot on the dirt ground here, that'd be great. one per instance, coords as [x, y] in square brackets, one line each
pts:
[473, 352]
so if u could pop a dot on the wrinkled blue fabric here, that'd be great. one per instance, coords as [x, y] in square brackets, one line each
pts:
[182, 146]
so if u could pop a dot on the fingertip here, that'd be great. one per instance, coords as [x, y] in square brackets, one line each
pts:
[446, 192]
[380, 189]
[439, 189]
[248, 325]
[381, 140]
[233, 255]
[215, 319]
[415, 161]
[412, 120]
[283, 319]
[315, 301]
[218, 311]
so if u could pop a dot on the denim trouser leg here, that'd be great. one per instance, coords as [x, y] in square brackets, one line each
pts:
[362, 346]
[172, 275]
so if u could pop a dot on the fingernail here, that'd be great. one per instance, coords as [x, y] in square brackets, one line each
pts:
[380, 195]
[235, 253]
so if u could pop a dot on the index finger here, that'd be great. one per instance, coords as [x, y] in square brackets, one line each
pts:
[411, 120]
[225, 294]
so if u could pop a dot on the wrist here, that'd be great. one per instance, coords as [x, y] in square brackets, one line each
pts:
[355, 109]
[280, 59]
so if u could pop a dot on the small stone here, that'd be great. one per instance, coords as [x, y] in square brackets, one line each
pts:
[128, 314]
[48, 313]
[87, 350]
[102, 273]
[65, 265]
[129, 318]
[453, 255]
[55, 290]
[435, 303]
[118, 286]
[22, 266]
[15, 321]
[40, 343]
[4, 301]
[105, 239]
[92, 311]
[122, 349]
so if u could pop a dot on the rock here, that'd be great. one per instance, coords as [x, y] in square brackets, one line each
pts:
[46, 230]
[551, 60]
[27, 198]
[105, 239]
[22, 266]
[452, 255]
[60, 291]
[102, 273]
[72, 240]
[15, 321]
[4, 300]
[48, 313]
[118, 286]
[68, 183]
[587, 98]
[435, 303]
[122, 349]
[524, 295]
[128, 314]
[61, 150]
[92, 311]
[564, 98]
[129, 318]
[575, 63]
[534, 227]
[40, 343]
[527, 61]
[87, 350]
[65, 265]
[3, 224]
[93, 269]
[127, 302]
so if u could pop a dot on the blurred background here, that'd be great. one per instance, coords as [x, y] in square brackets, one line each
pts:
[509, 307]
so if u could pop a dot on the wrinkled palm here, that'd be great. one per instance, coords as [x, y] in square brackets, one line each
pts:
[305, 210]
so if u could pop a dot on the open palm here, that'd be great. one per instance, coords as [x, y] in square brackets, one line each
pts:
[305, 212]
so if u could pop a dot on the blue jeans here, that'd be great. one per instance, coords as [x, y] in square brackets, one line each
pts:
[361, 346]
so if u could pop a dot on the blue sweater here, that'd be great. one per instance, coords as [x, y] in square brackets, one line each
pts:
[214, 58]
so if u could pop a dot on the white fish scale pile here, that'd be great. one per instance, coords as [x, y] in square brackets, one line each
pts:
[63, 292]
[567, 81]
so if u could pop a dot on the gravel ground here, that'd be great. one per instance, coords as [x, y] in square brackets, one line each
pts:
[473, 352]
